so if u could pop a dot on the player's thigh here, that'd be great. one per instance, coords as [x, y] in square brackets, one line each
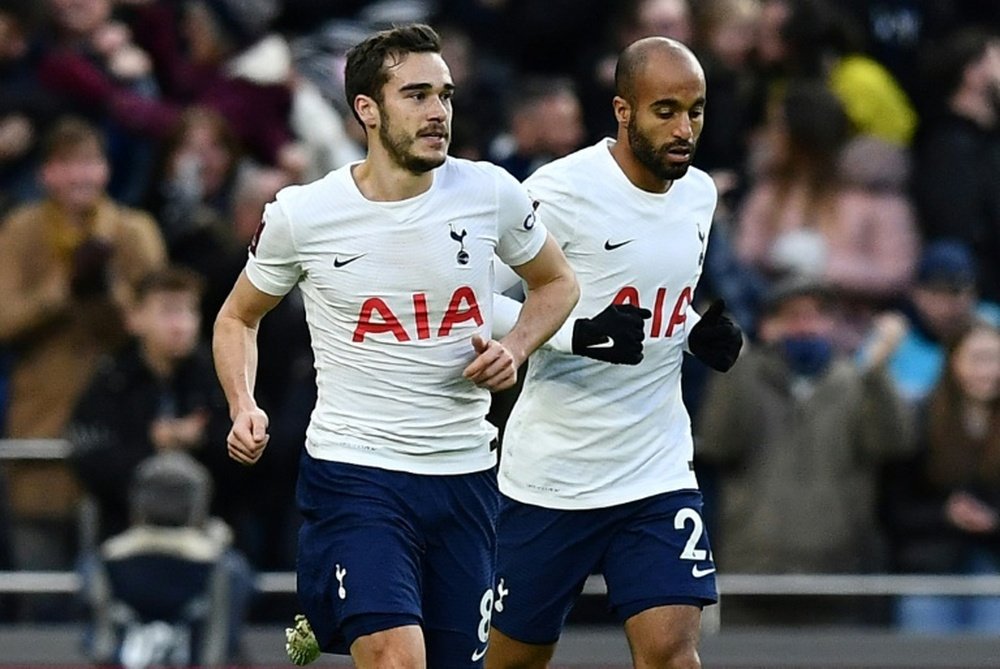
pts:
[396, 648]
[659, 556]
[458, 568]
[359, 560]
[665, 636]
[543, 560]
[507, 653]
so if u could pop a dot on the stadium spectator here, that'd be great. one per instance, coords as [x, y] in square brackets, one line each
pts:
[797, 436]
[26, 108]
[940, 306]
[157, 395]
[633, 20]
[92, 61]
[959, 148]
[191, 195]
[830, 208]
[726, 33]
[169, 591]
[545, 123]
[816, 39]
[69, 266]
[944, 505]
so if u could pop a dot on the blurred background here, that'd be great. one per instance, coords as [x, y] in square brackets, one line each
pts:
[850, 461]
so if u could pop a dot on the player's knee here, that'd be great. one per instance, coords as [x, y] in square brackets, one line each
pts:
[382, 651]
[390, 657]
[670, 653]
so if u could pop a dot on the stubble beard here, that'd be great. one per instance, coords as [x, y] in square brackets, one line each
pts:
[400, 149]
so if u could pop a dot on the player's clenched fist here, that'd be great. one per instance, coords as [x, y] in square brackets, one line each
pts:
[615, 335]
[494, 367]
[248, 437]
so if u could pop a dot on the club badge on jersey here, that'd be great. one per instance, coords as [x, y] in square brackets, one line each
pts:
[462, 257]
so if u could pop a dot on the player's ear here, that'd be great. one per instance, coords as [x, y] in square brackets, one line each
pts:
[367, 110]
[623, 110]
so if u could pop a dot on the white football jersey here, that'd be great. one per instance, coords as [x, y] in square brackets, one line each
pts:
[394, 292]
[588, 434]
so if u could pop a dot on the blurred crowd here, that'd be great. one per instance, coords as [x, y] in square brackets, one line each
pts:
[856, 150]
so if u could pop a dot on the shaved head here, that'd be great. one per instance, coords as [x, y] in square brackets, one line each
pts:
[660, 105]
[633, 61]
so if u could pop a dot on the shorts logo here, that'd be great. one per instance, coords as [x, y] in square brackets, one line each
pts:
[501, 593]
[340, 573]
[701, 573]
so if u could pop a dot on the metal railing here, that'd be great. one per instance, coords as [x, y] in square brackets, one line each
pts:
[807, 585]
[41, 582]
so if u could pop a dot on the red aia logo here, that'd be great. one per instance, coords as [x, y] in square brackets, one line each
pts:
[630, 295]
[377, 317]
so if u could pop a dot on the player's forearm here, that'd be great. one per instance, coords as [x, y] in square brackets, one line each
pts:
[234, 348]
[545, 308]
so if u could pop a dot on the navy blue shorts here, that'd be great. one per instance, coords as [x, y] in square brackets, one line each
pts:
[379, 549]
[652, 552]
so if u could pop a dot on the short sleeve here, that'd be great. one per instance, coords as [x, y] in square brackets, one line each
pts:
[547, 190]
[520, 232]
[273, 266]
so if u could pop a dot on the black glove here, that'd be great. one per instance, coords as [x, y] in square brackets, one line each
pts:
[90, 267]
[716, 340]
[615, 335]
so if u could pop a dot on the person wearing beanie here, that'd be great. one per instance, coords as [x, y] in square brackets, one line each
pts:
[170, 590]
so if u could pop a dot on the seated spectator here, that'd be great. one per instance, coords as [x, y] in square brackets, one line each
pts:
[939, 307]
[796, 437]
[958, 197]
[944, 505]
[170, 591]
[69, 266]
[159, 394]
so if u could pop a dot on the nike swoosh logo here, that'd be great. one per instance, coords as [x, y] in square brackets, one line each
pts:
[478, 654]
[701, 573]
[608, 246]
[337, 262]
[607, 343]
